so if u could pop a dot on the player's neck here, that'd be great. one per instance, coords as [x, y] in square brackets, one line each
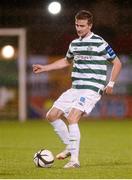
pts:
[86, 35]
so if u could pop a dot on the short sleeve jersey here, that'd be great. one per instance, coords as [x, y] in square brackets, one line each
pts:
[90, 57]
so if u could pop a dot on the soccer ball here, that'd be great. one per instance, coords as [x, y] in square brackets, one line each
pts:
[43, 158]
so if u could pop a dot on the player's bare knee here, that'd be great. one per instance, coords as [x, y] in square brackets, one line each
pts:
[74, 116]
[49, 116]
[52, 115]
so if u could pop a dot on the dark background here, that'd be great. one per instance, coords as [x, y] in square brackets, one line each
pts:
[51, 35]
[48, 38]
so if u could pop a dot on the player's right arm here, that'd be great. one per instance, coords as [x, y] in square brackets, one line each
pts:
[59, 64]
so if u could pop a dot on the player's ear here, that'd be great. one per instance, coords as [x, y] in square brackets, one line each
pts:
[90, 26]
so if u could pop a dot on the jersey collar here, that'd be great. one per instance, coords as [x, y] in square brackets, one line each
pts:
[86, 37]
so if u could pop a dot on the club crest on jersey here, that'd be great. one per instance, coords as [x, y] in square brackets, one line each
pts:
[89, 48]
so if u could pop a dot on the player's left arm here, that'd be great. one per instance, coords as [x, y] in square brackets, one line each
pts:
[114, 75]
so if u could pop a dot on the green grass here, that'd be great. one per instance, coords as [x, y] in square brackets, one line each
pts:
[106, 150]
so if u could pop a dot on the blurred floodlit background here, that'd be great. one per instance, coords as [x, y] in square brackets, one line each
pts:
[49, 30]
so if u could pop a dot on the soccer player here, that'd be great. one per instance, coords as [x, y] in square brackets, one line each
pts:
[88, 54]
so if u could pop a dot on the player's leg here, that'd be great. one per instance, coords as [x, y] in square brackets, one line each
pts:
[83, 104]
[54, 117]
[74, 138]
[62, 106]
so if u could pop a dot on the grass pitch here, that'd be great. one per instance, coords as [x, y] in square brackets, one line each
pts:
[106, 150]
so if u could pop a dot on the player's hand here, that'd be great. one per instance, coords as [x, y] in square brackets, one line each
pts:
[108, 90]
[37, 68]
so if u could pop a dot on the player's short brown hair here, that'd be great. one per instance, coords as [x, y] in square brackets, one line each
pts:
[84, 15]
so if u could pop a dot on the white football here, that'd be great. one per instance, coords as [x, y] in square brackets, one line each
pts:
[43, 158]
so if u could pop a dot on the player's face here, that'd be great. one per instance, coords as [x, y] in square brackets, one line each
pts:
[82, 27]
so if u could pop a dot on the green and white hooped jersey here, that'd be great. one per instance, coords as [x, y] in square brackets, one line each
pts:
[90, 56]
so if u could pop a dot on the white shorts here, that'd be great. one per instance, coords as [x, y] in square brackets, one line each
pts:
[83, 100]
